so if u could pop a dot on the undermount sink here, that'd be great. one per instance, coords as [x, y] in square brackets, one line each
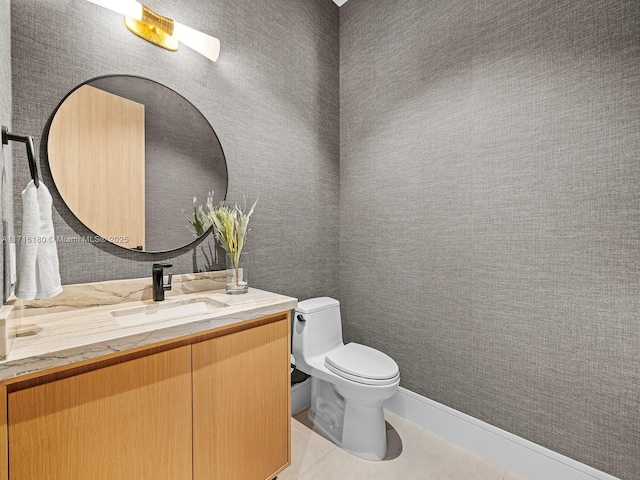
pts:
[167, 310]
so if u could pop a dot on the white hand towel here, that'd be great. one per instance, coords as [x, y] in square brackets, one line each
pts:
[26, 286]
[38, 268]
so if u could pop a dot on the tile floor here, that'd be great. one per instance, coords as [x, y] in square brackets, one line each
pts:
[414, 453]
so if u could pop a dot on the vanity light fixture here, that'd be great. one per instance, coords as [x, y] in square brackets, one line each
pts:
[162, 31]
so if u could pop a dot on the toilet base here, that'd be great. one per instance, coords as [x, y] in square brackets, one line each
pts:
[356, 425]
[327, 409]
[365, 431]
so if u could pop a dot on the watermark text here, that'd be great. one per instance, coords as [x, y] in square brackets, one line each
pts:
[64, 239]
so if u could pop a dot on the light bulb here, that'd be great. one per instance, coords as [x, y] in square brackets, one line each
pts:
[129, 8]
[200, 42]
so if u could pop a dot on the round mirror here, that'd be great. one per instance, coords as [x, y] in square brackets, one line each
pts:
[128, 155]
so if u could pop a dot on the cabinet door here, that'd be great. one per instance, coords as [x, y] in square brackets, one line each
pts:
[241, 404]
[127, 421]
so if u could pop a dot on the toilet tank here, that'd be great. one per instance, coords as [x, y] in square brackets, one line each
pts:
[322, 329]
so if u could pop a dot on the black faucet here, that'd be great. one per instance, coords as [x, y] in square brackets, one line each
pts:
[158, 281]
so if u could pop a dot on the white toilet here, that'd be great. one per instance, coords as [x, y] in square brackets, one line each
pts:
[349, 382]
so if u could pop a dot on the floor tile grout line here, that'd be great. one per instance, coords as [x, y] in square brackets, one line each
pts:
[317, 461]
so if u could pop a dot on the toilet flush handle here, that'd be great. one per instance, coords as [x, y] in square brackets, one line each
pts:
[301, 318]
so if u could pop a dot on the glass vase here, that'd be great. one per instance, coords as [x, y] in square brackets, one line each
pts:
[237, 268]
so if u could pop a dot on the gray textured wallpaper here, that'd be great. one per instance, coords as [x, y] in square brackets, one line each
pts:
[484, 192]
[6, 190]
[490, 211]
[272, 98]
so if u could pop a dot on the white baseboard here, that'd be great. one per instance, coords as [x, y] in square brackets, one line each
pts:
[300, 396]
[514, 453]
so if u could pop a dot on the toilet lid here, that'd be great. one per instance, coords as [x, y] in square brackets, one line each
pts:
[361, 362]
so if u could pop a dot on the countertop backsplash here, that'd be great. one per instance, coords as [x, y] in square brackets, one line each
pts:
[87, 295]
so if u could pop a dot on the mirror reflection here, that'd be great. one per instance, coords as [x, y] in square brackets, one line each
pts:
[128, 155]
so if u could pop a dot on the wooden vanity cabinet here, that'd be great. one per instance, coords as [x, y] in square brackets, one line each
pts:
[215, 405]
[129, 420]
[241, 412]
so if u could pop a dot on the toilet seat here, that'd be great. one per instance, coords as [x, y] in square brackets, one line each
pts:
[362, 364]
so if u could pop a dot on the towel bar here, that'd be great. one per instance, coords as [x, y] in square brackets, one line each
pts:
[28, 141]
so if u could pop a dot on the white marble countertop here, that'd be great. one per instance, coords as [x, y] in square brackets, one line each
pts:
[65, 337]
